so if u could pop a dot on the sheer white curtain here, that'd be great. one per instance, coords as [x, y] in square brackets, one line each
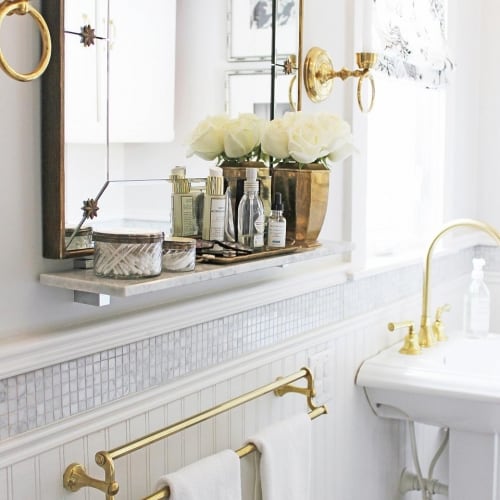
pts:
[406, 129]
[411, 35]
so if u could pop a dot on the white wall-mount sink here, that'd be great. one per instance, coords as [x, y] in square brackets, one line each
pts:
[453, 384]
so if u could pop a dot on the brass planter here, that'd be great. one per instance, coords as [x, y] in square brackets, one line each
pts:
[305, 199]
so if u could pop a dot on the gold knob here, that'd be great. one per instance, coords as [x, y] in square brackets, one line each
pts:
[411, 345]
[437, 326]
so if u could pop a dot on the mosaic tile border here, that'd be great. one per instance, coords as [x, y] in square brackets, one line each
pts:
[43, 396]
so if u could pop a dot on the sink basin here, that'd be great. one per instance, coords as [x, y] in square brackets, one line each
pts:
[454, 383]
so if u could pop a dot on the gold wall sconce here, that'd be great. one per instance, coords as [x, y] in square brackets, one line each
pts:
[319, 75]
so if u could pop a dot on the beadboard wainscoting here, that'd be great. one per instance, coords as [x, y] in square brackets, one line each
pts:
[350, 443]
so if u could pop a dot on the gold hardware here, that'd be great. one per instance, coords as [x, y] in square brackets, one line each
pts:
[319, 74]
[309, 391]
[437, 326]
[289, 66]
[426, 335]
[293, 106]
[22, 7]
[75, 476]
[410, 345]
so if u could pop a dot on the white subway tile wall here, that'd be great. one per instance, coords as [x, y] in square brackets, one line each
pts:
[31, 400]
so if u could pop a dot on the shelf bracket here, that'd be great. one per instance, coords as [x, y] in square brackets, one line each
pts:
[91, 299]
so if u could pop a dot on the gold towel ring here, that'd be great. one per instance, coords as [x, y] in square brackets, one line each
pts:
[21, 7]
[360, 85]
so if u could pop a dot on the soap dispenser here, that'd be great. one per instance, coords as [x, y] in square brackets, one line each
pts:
[477, 303]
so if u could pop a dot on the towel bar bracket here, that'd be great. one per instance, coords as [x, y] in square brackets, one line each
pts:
[291, 388]
[309, 392]
[75, 477]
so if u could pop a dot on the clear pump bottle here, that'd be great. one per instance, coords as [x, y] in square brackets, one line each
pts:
[276, 230]
[477, 303]
[251, 213]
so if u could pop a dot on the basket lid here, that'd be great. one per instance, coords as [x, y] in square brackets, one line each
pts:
[128, 235]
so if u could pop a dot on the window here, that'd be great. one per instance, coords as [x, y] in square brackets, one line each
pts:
[406, 129]
[404, 180]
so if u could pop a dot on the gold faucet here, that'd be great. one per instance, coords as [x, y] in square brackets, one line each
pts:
[426, 336]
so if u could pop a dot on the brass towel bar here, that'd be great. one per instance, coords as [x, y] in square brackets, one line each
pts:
[75, 476]
[22, 7]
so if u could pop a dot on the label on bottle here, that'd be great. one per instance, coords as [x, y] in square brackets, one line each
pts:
[217, 218]
[182, 210]
[258, 237]
[276, 235]
[479, 314]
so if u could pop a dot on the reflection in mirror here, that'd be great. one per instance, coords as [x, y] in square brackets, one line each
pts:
[108, 137]
[250, 25]
[110, 99]
[240, 100]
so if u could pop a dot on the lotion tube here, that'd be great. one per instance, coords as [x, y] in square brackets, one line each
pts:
[214, 209]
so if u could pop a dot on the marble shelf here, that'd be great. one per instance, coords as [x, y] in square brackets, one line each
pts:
[89, 289]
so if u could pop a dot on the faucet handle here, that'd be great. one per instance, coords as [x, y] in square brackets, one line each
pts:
[437, 326]
[411, 345]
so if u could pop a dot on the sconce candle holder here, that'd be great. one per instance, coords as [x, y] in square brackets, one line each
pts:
[319, 74]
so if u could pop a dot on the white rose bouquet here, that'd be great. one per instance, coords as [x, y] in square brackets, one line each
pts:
[307, 138]
[236, 139]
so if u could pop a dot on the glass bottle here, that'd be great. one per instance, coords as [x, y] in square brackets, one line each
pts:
[276, 230]
[251, 213]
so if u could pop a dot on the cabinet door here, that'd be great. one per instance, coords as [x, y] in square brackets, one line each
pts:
[141, 70]
[85, 71]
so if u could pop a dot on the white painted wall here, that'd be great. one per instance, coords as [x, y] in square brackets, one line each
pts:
[489, 106]
[463, 117]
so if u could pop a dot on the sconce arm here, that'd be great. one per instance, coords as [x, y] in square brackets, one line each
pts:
[319, 74]
[345, 73]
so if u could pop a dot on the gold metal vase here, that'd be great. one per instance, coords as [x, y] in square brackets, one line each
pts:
[305, 199]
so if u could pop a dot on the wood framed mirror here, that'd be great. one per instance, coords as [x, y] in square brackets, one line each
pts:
[107, 136]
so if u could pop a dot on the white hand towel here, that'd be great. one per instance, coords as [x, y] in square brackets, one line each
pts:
[216, 477]
[285, 464]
